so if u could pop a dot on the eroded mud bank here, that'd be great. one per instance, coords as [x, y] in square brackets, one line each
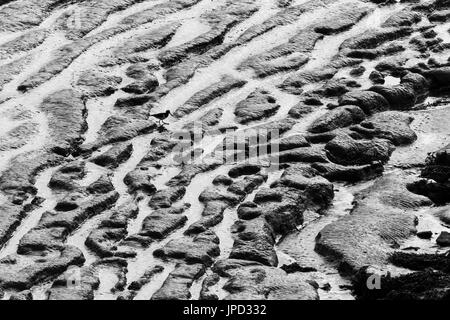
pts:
[355, 184]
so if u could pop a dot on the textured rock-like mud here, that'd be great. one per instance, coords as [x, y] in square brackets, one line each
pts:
[98, 200]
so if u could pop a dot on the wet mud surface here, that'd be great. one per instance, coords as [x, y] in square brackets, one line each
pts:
[98, 200]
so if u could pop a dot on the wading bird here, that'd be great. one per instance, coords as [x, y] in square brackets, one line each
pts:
[161, 116]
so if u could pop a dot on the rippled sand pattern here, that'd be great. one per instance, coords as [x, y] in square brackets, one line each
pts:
[96, 202]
